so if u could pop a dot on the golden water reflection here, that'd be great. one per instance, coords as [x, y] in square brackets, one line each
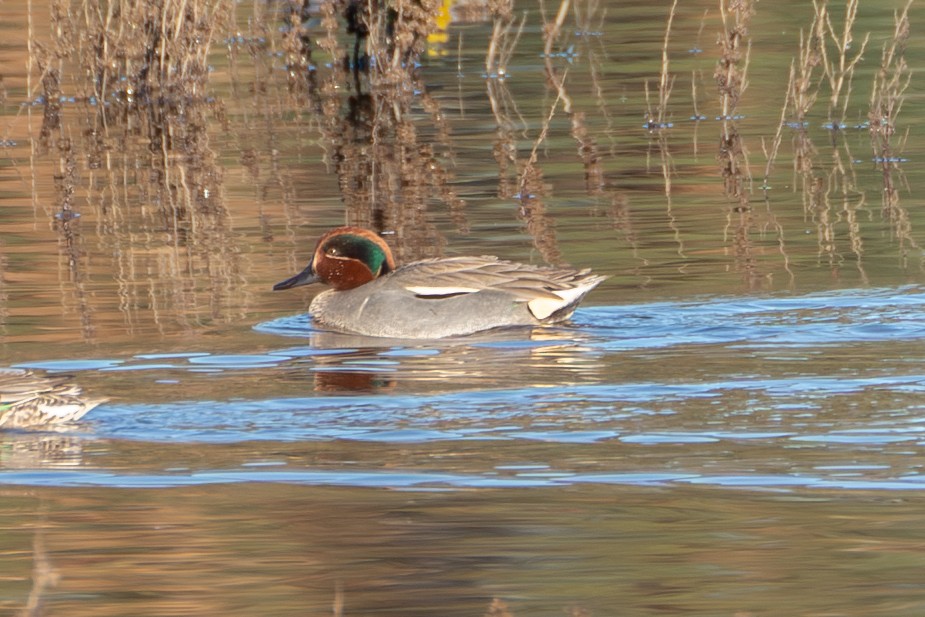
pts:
[280, 550]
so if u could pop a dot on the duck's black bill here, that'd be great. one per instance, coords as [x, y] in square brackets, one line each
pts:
[305, 277]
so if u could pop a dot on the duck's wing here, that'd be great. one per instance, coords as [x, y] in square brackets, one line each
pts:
[546, 290]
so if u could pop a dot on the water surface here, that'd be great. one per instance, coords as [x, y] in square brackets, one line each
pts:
[731, 425]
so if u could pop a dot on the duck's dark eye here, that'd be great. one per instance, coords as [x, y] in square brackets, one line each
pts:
[332, 251]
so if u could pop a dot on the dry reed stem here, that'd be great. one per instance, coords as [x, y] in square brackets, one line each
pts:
[396, 33]
[732, 80]
[585, 12]
[330, 43]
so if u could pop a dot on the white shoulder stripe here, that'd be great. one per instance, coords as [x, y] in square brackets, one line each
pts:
[440, 291]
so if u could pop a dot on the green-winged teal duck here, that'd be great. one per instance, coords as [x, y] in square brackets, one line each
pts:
[433, 298]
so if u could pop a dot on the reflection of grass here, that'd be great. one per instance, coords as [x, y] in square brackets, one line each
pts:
[135, 52]
[659, 119]
[393, 139]
[735, 45]
[837, 65]
[888, 92]
[504, 38]
[151, 180]
[887, 96]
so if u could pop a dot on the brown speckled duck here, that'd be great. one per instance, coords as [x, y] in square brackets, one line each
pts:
[32, 401]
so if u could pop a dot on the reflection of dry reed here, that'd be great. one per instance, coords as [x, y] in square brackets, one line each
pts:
[527, 185]
[368, 110]
[137, 52]
[45, 576]
[887, 96]
[666, 164]
[387, 175]
[587, 145]
[530, 187]
[297, 45]
[839, 71]
[394, 33]
[802, 90]
[731, 79]
[141, 109]
[503, 37]
[177, 256]
[540, 225]
[498, 608]
[621, 220]
[888, 91]
[589, 22]
[72, 274]
[732, 70]
[504, 148]
[552, 30]
[659, 119]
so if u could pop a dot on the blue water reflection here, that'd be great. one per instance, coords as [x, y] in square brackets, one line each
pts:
[710, 392]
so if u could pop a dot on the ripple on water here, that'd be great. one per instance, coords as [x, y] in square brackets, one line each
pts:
[421, 480]
[799, 428]
[812, 320]
[58, 366]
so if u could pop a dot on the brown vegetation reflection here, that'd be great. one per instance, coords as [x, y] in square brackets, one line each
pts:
[132, 130]
[887, 96]
[732, 80]
[388, 174]
[139, 121]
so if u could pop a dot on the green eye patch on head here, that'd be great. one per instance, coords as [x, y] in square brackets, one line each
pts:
[362, 249]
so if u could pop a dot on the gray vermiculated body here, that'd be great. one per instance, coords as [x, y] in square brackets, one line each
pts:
[377, 311]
